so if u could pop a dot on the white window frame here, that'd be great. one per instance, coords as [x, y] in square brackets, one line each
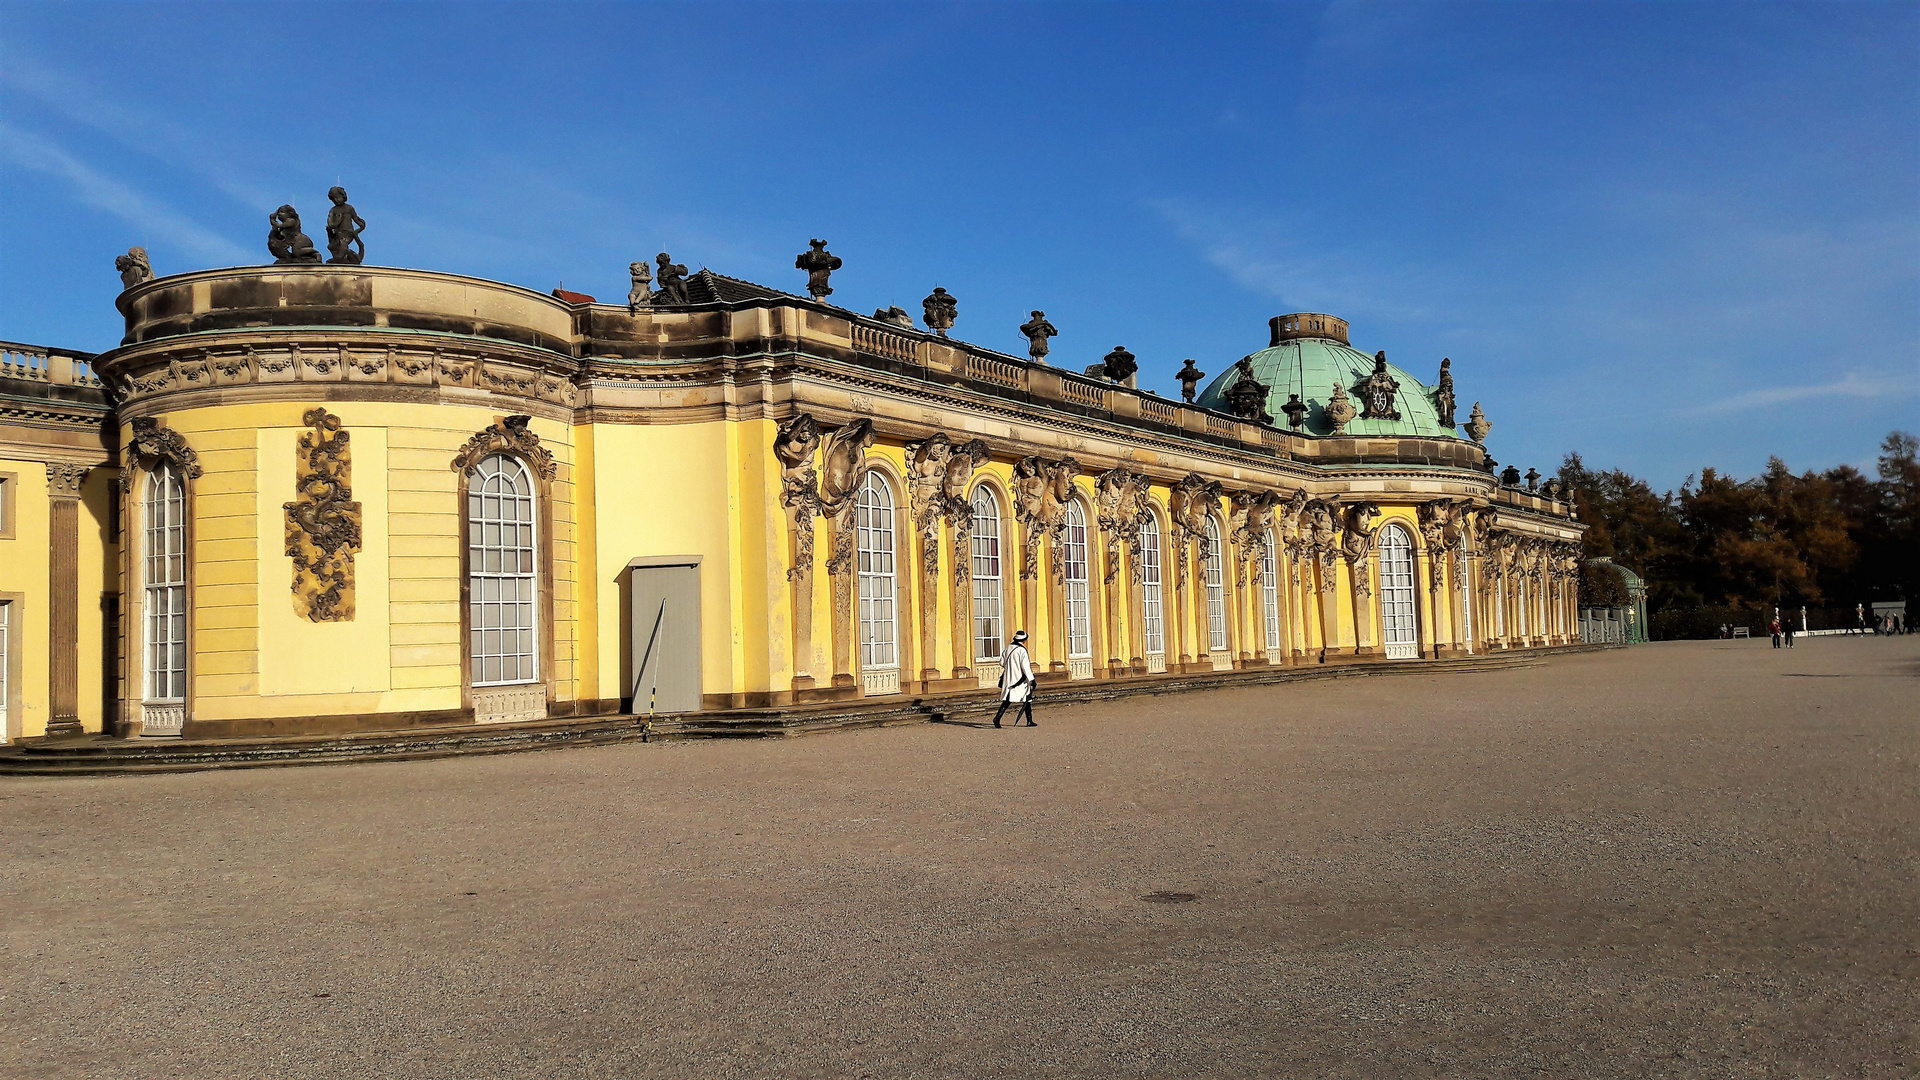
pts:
[1270, 595]
[164, 580]
[989, 611]
[6, 658]
[1398, 586]
[1074, 574]
[1215, 574]
[1153, 627]
[874, 537]
[503, 573]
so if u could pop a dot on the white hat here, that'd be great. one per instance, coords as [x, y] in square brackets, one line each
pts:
[1019, 636]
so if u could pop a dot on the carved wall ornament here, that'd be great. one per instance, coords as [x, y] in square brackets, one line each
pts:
[1477, 426]
[1321, 539]
[961, 464]
[794, 444]
[1053, 508]
[1120, 495]
[819, 263]
[1029, 500]
[1194, 499]
[1338, 410]
[1441, 527]
[508, 435]
[926, 485]
[1038, 332]
[151, 444]
[1443, 399]
[134, 268]
[1377, 391]
[1357, 544]
[323, 522]
[64, 479]
[940, 311]
[1254, 516]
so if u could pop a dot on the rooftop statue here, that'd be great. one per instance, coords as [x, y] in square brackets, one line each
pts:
[344, 227]
[1443, 400]
[1338, 410]
[286, 243]
[1477, 425]
[1038, 330]
[818, 262]
[895, 314]
[133, 267]
[1120, 364]
[1533, 479]
[672, 277]
[1296, 411]
[1189, 377]
[1247, 397]
[1377, 390]
[642, 291]
[1510, 477]
[940, 309]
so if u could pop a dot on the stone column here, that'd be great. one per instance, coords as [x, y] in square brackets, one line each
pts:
[63, 614]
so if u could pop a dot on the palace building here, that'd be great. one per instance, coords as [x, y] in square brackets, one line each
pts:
[308, 499]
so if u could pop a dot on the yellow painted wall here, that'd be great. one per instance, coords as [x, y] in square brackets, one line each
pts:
[26, 569]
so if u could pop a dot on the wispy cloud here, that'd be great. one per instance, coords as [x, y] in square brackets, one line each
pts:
[102, 192]
[1851, 385]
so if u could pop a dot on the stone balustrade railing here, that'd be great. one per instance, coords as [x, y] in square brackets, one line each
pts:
[37, 363]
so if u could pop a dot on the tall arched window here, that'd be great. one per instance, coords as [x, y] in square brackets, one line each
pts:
[988, 636]
[1152, 628]
[502, 578]
[1399, 627]
[1269, 596]
[873, 517]
[1216, 589]
[1074, 566]
[165, 576]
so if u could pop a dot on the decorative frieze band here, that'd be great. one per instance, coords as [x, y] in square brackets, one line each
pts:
[344, 363]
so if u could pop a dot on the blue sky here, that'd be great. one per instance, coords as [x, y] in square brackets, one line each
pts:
[1664, 235]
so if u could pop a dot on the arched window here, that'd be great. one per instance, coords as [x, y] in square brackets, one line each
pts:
[1152, 629]
[873, 517]
[502, 579]
[165, 577]
[1216, 589]
[1270, 595]
[1074, 560]
[1398, 619]
[988, 635]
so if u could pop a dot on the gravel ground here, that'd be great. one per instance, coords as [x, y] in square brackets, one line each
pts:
[1688, 859]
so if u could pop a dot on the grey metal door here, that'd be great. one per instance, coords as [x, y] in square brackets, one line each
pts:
[666, 636]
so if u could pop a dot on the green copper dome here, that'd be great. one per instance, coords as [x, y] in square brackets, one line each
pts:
[1308, 356]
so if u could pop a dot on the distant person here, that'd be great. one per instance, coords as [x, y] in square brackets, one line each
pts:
[1789, 633]
[1774, 628]
[1016, 681]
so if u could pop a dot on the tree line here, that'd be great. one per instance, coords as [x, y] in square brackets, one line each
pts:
[1724, 550]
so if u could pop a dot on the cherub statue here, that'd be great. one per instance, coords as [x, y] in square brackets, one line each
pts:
[1189, 377]
[672, 277]
[285, 242]
[1038, 330]
[133, 267]
[642, 291]
[344, 227]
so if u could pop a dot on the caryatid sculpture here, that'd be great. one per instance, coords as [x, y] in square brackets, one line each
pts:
[818, 262]
[1038, 331]
[286, 243]
[940, 311]
[134, 268]
[1189, 377]
[961, 464]
[846, 449]
[1118, 492]
[344, 227]
[1029, 509]
[672, 278]
[794, 444]
[641, 293]
[1256, 510]
[1357, 544]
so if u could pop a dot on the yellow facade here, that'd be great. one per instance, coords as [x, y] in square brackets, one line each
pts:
[652, 436]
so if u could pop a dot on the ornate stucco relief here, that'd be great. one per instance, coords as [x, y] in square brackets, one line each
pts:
[323, 522]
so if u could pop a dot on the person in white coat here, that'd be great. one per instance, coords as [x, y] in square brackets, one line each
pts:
[1016, 681]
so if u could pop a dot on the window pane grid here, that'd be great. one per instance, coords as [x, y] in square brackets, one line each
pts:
[987, 634]
[1074, 556]
[501, 594]
[165, 564]
[1216, 591]
[1270, 595]
[1151, 627]
[873, 543]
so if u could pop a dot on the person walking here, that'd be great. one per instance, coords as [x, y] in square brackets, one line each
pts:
[1789, 633]
[1774, 626]
[1016, 681]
